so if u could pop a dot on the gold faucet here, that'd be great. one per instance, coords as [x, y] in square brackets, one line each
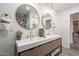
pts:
[31, 34]
[48, 33]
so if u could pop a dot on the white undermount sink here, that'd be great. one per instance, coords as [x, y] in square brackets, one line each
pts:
[25, 44]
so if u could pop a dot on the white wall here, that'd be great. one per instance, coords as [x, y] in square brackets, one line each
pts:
[63, 25]
[7, 44]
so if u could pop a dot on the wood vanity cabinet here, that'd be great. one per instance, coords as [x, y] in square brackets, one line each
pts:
[44, 49]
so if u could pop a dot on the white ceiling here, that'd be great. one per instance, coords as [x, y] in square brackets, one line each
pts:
[63, 6]
[49, 5]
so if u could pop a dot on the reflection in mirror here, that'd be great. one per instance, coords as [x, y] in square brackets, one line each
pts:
[47, 21]
[27, 16]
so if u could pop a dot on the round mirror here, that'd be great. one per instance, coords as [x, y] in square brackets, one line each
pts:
[27, 16]
[47, 21]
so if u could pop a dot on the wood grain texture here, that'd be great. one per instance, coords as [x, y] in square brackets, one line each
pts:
[43, 49]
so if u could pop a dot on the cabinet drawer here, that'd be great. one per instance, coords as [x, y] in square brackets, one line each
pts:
[32, 52]
[45, 48]
[35, 51]
[26, 53]
[52, 45]
[56, 43]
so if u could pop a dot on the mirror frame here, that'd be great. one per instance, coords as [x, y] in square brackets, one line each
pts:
[43, 19]
[36, 12]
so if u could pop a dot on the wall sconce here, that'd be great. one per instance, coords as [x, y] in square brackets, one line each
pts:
[5, 21]
[5, 18]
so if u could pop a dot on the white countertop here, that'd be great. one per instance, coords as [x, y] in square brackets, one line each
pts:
[25, 44]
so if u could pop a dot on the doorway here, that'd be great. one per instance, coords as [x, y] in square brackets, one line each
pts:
[75, 31]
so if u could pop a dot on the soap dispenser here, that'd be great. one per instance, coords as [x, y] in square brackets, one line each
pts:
[31, 34]
[41, 32]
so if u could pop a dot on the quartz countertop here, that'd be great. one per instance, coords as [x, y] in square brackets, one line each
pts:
[25, 44]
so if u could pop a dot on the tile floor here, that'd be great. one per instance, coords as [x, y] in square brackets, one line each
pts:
[75, 43]
[69, 52]
[74, 50]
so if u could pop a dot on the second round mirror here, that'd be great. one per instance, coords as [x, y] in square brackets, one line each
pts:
[47, 21]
